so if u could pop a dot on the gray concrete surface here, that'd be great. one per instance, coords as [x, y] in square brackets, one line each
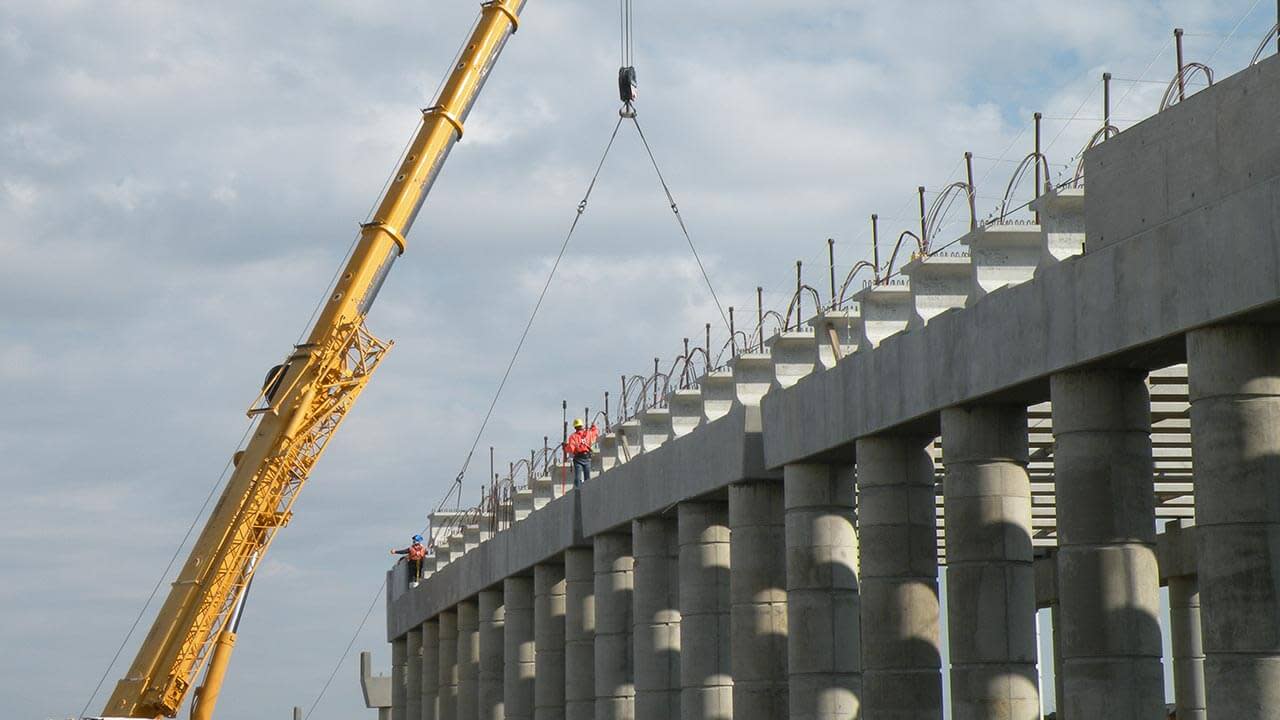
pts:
[447, 694]
[706, 675]
[518, 648]
[492, 655]
[614, 673]
[991, 603]
[823, 631]
[1187, 648]
[548, 641]
[399, 681]
[430, 678]
[579, 634]
[1108, 579]
[1234, 373]
[468, 702]
[901, 612]
[656, 616]
[413, 674]
[758, 600]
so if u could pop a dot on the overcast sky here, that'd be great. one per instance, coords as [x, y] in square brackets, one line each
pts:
[179, 180]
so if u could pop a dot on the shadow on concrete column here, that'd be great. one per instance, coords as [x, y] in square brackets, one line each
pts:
[1187, 648]
[548, 641]
[656, 617]
[991, 603]
[1107, 575]
[824, 640]
[518, 648]
[706, 678]
[615, 682]
[399, 678]
[447, 699]
[413, 674]
[469, 660]
[758, 597]
[579, 634]
[1234, 375]
[430, 679]
[492, 650]
[901, 630]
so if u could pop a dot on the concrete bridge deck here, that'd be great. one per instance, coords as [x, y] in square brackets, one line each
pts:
[1030, 435]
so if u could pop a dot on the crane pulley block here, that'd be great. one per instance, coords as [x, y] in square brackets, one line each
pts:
[627, 84]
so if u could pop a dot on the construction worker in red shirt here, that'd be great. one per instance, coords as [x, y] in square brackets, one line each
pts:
[578, 447]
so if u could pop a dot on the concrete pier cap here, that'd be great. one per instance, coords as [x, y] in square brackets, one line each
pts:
[686, 406]
[1062, 222]
[1003, 253]
[939, 282]
[837, 333]
[718, 394]
[886, 310]
[793, 353]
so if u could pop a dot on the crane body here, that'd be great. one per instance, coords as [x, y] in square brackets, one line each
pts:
[301, 406]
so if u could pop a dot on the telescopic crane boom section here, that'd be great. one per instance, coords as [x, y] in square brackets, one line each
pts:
[301, 406]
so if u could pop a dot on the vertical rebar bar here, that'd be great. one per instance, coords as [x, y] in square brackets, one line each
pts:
[564, 419]
[799, 285]
[706, 349]
[684, 373]
[924, 228]
[606, 411]
[973, 193]
[655, 382]
[1106, 102]
[831, 267]
[760, 314]
[546, 454]
[875, 248]
[733, 336]
[1036, 164]
[1177, 44]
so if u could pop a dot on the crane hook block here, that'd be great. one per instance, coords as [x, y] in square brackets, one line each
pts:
[627, 85]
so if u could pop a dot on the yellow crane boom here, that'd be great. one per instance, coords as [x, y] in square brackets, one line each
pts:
[300, 408]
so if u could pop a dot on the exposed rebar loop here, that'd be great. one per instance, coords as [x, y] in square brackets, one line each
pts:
[1037, 163]
[1273, 33]
[758, 334]
[941, 205]
[794, 305]
[1175, 91]
[848, 280]
[921, 249]
[1104, 133]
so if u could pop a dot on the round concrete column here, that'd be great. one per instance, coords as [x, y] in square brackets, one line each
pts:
[579, 634]
[1234, 374]
[549, 637]
[706, 676]
[901, 645]
[1108, 578]
[758, 600]
[615, 684]
[1188, 649]
[492, 650]
[468, 660]
[656, 617]
[518, 647]
[430, 679]
[413, 674]
[447, 697]
[824, 640]
[991, 601]
[399, 678]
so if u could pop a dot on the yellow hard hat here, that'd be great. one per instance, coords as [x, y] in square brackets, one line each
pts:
[577, 422]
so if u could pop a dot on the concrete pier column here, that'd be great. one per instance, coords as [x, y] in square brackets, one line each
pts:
[991, 602]
[1108, 578]
[1188, 649]
[469, 660]
[706, 675]
[656, 617]
[758, 600]
[1234, 377]
[549, 640]
[492, 654]
[399, 678]
[901, 630]
[518, 648]
[430, 678]
[579, 634]
[413, 674]
[447, 697]
[824, 656]
[615, 683]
